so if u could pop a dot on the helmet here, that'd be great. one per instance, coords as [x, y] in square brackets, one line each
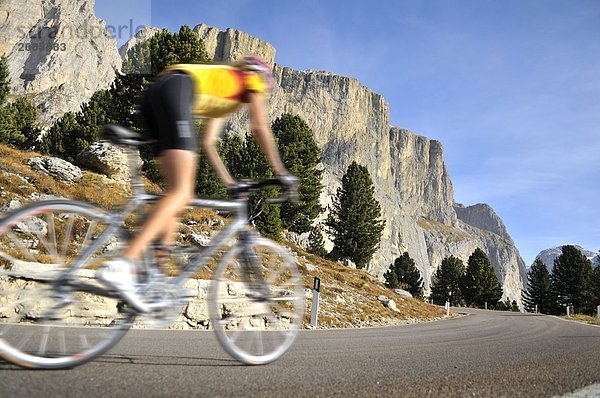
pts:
[260, 67]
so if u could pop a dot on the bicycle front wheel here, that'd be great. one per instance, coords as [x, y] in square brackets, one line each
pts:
[53, 313]
[256, 302]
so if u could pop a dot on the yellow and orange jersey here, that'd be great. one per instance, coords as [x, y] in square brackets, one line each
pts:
[219, 89]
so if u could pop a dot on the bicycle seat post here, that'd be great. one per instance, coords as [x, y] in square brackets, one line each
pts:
[137, 185]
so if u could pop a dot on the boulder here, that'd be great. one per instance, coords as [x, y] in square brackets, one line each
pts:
[401, 292]
[59, 169]
[105, 158]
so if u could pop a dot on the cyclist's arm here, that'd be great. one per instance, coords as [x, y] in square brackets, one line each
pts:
[212, 131]
[262, 132]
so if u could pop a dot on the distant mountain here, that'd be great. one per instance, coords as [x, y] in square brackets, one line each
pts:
[549, 255]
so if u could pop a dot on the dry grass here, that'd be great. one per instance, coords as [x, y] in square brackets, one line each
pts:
[452, 234]
[349, 297]
[592, 320]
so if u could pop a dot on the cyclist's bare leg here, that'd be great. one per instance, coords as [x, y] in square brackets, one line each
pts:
[180, 170]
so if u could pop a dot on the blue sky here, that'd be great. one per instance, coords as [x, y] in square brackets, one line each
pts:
[511, 88]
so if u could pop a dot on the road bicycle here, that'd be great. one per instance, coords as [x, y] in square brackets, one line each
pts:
[55, 314]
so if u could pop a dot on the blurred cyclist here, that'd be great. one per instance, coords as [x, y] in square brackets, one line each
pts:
[213, 92]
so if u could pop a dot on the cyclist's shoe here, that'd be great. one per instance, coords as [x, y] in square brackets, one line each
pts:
[120, 275]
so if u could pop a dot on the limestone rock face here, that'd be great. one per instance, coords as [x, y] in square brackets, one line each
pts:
[143, 35]
[232, 45]
[482, 216]
[412, 184]
[59, 53]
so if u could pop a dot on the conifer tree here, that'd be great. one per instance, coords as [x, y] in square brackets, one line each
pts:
[539, 289]
[301, 155]
[480, 283]
[316, 243]
[403, 273]
[4, 81]
[447, 282]
[571, 279]
[595, 286]
[355, 217]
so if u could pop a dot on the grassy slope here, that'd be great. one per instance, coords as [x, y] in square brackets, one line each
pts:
[349, 297]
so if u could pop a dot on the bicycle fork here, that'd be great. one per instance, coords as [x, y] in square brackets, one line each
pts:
[252, 268]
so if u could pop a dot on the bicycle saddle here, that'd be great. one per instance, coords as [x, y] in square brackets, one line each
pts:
[122, 136]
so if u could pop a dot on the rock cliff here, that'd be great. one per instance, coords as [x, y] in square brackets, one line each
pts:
[351, 122]
[59, 53]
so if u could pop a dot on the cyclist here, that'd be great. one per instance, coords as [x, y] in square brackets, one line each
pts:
[211, 91]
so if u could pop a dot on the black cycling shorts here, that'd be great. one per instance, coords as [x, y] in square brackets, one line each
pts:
[166, 109]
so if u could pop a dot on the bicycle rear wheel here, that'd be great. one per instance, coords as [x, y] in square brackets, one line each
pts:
[256, 315]
[53, 313]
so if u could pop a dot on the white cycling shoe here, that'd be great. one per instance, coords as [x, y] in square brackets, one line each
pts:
[120, 275]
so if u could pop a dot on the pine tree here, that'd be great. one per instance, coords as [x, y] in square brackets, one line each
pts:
[447, 282]
[539, 289]
[571, 279]
[4, 81]
[403, 273]
[316, 243]
[18, 124]
[301, 155]
[355, 217]
[480, 283]
[595, 286]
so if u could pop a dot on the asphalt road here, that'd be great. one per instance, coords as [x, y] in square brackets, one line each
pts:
[486, 353]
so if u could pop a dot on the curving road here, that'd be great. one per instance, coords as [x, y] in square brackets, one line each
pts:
[482, 354]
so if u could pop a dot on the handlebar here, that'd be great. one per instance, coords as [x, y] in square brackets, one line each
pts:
[246, 188]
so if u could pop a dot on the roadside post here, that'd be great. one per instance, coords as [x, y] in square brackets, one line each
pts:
[314, 312]
[568, 312]
[598, 312]
[536, 308]
[486, 305]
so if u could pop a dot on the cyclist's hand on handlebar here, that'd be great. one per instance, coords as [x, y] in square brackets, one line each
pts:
[290, 184]
[238, 188]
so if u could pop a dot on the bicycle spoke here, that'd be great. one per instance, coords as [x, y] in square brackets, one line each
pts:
[88, 235]
[40, 237]
[25, 339]
[235, 335]
[52, 234]
[6, 329]
[67, 236]
[20, 245]
[259, 342]
[44, 340]
[63, 343]
[84, 342]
